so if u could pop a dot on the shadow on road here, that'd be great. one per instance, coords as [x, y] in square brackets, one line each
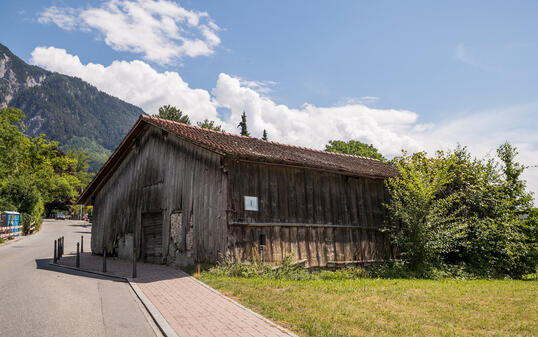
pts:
[116, 267]
[44, 264]
[84, 225]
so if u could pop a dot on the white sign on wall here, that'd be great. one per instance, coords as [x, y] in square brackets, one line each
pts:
[251, 203]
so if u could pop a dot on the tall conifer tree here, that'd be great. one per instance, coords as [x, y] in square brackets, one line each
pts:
[243, 125]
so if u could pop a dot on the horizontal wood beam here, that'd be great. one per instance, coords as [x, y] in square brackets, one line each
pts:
[292, 224]
[354, 262]
[333, 171]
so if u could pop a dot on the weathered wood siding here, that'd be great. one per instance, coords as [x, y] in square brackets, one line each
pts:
[321, 217]
[168, 175]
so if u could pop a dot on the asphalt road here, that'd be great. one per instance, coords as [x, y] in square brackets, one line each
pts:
[37, 299]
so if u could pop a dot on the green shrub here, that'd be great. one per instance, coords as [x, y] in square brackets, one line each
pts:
[26, 222]
[347, 273]
[454, 214]
[288, 270]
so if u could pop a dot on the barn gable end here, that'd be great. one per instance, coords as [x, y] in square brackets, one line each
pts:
[163, 176]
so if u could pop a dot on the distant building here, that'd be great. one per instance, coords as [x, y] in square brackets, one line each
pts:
[183, 194]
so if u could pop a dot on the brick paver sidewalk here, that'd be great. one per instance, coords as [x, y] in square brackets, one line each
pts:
[190, 307]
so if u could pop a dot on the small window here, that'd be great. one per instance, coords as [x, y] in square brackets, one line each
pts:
[262, 240]
[251, 203]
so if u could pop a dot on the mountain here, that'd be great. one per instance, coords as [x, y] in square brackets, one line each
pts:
[65, 108]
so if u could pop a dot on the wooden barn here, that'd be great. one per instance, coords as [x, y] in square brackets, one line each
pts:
[178, 194]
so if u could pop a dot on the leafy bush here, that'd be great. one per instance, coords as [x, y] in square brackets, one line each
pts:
[254, 268]
[451, 212]
[422, 220]
[287, 269]
[26, 222]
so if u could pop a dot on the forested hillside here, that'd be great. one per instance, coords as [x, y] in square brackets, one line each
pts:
[66, 109]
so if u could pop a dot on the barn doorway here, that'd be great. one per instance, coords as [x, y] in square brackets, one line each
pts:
[152, 237]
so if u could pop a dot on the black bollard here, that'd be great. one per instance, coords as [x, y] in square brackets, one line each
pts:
[82, 243]
[55, 259]
[63, 246]
[78, 256]
[104, 260]
[134, 262]
[59, 248]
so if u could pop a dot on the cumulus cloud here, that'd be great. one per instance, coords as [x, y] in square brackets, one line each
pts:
[313, 126]
[138, 83]
[390, 130]
[263, 87]
[135, 82]
[65, 18]
[162, 31]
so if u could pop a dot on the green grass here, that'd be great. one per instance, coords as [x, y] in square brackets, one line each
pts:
[381, 307]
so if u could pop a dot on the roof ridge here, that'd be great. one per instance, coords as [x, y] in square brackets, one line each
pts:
[189, 125]
[258, 139]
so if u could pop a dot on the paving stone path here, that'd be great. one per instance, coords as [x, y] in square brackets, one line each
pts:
[189, 306]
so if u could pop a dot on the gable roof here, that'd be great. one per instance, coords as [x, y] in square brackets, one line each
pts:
[245, 148]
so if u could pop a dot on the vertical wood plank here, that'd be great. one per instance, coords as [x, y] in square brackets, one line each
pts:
[301, 243]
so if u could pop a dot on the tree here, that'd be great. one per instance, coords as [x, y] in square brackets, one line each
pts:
[13, 143]
[471, 214]
[264, 137]
[207, 124]
[355, 148]
[420, 220]
[34, 173]
[174, 114]
[520, 199]
[243, 125]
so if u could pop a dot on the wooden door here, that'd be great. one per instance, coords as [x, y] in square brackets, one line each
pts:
[152, 237]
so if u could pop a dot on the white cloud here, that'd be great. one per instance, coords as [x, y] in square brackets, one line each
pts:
[135, 82]
[390, 130]
[65, 18]
[162, 31]
[464, 55]
[313, 126]
[263, 87]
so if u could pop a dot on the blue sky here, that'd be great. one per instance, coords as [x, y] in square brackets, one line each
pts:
[415, 75]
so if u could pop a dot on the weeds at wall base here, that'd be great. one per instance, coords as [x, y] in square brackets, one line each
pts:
[288, 269]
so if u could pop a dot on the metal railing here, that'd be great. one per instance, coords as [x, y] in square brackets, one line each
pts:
[9, 232]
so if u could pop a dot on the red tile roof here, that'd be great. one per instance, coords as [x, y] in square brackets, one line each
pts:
[266, 151]
[248, 148]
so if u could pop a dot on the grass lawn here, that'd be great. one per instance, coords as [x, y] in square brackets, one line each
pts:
[370, 307]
